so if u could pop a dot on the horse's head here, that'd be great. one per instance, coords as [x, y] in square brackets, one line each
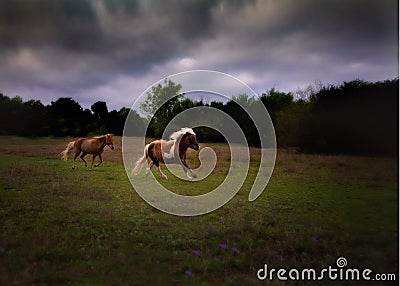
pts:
[190, 141]
[110, 141]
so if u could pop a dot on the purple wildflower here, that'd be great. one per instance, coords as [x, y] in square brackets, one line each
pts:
[196, 252]
[234, 249]
[314, 239]
[222, 245]
[188, 272]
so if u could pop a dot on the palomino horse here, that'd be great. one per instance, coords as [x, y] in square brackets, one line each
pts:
[93, 146]
[169, 152]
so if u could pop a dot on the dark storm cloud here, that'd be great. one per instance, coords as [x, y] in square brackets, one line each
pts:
[63, 24]
[109, 50]
[350, 28]
[343, 28]
[293, 42]
[125, 35]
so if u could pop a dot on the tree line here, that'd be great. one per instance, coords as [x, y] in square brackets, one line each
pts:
[355, 117]
[63, 117]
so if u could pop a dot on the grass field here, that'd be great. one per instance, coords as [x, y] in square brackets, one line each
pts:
[83, 227]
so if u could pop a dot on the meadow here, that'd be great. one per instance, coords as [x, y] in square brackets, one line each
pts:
[82, 227]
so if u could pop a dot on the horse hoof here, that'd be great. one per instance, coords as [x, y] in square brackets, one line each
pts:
[194, 175]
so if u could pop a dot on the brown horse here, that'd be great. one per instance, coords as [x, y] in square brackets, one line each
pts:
[169, 152]
[93, 146]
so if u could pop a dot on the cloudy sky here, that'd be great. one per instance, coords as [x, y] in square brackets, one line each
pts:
[113, 50]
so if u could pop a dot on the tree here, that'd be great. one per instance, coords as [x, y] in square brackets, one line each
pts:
[134, 124]
[100, 110]
[356, 117]
[35, 119]
[281, 108]
[100, 113]
[274, 101]
[11, 115]
[66, 118]
[161, 105]
[116, 122]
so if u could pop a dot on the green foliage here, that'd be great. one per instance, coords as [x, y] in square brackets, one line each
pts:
[167, 96]
[68, 118]
[161, 105]
[100, 110]
[134, 124]
[63, 117]
[101, 116]
[283, 111]
[275, 100]
[356, 117]
[289, 123]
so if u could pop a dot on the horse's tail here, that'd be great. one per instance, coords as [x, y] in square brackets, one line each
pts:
[64, 154]
[140, 162]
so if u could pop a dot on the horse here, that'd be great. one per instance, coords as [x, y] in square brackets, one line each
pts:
[169, 152]
[86, 146]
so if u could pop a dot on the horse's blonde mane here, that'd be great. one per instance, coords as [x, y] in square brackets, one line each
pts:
[178, 134]
[101, 136]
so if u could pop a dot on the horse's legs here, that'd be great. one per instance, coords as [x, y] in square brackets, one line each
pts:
[193, 174]
[77, 152]
[189, 173]
[149, 167]
[94, 156]
[82, 157]
[159, 170]
[161, 173]
[186, 170]
[101, 161]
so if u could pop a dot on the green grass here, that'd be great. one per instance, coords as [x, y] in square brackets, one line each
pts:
[60, 226]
